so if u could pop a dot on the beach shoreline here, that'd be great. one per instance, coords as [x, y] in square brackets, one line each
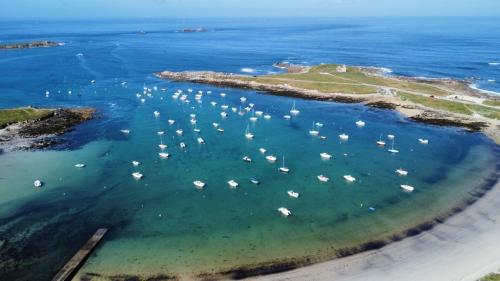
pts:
[463, 247]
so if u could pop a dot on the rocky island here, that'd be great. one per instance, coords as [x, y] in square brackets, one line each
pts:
[436, 101]
[32, 128]
[29, 45]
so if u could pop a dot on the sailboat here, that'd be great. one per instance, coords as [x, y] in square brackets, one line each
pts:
[283, 168]
[392, 150]
[380, 142]
[248, 134]
[313, 131]
[294, 111]
[253, 118]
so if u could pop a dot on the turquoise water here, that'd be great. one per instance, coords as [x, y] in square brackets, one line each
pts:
[162, 224]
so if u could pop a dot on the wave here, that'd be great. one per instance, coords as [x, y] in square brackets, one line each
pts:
[475, 87]
[248, 70]
[494, 63]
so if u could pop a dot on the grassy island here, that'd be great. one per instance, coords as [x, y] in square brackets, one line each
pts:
[436, 101]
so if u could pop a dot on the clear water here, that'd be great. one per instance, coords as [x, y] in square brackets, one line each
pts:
[218, 228]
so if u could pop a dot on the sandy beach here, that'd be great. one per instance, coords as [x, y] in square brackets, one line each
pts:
[465, 247]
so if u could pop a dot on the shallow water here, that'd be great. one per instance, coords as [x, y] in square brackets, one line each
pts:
[162, 224]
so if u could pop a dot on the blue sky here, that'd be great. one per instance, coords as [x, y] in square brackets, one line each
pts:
[82, 9]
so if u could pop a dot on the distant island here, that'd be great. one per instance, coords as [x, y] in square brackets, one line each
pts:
[29, 45]
[436, 101]
[192, 30]
[33, 128]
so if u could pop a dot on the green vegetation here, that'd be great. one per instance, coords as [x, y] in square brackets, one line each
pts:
[9, 116]
[492, 102]
[326, 79]
[491, 277]
[436, 103]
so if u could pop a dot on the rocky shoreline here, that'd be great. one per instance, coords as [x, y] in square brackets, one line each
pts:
[29, 45]
[411, 110]
[42, 133]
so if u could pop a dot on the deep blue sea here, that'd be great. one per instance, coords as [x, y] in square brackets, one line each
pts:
[162, 225]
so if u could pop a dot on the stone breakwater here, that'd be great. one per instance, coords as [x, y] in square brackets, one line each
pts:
[413, 111]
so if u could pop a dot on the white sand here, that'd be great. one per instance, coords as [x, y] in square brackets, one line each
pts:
[465, 247]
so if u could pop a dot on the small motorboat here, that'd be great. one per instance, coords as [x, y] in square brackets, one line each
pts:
[287, 117]
[391, 137]
[200, 140]
[401, 172]
[267, 116]
[220, 130]
[171, 122]
[322, 137]
[360, 123]
[38, 183]
[224, 106]
[156, 113]
[349, 178]
[160, 133]
[125, 131]
[293, 194]
[271, 158]
[179, 132]
[214, 103]
[223, 95]
[192, 116]
[423, 141]
[162, 146]
[163, 155]
[323, 178]
[234, 109]
[254, 181]
[243, 99]
[80, 165]
[262, 150]
[284, 211]
[137, 175]
[199, 184]
[259, 113]
[196, 130]
[232, 184]
[343, 137]
[182, 145]
[136, 163]
[247, 159]
[325, 156]
[216, 125]
[407, 188]
[193, 121]
[223, 114]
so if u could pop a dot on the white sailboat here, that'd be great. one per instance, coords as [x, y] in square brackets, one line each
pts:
[313, 131]
[294, 111]
[283, 168]
[380, 142]
[253, 118]
[392, 150]
[248, 134]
